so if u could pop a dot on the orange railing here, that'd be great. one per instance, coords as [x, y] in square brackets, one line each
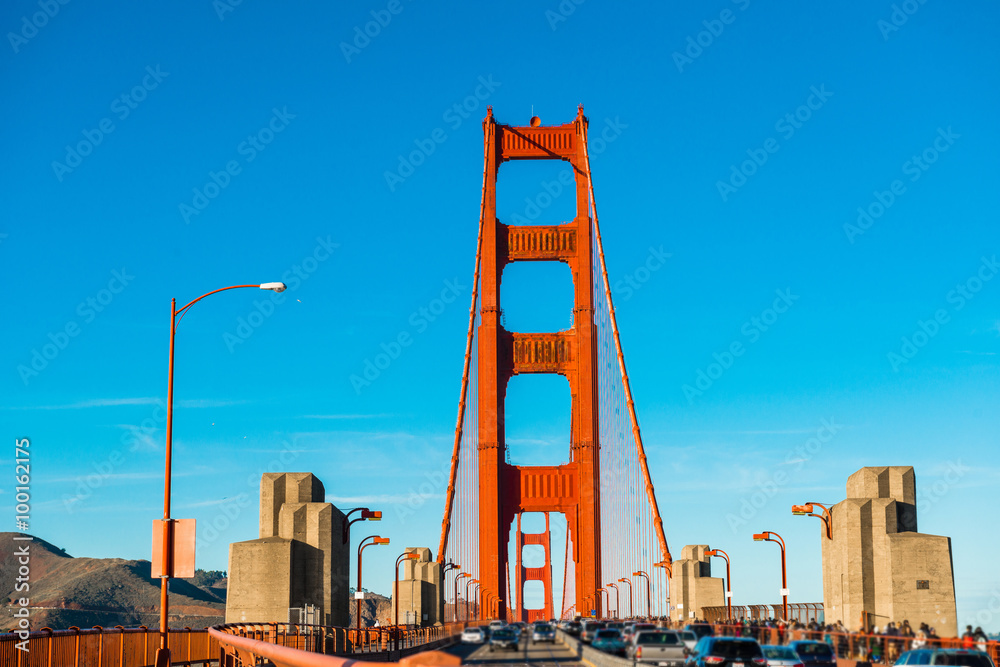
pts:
[104, 647]
[857, 646]
[136, 647]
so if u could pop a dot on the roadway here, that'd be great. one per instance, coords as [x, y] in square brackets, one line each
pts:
[527, 653]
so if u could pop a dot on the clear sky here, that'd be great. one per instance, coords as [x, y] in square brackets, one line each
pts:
[158, 151]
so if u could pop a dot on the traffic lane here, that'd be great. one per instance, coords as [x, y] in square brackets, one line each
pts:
[534, 653]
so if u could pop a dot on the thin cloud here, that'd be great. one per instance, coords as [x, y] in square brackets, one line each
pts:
[384, 499]
[349, 416]
[118, 402]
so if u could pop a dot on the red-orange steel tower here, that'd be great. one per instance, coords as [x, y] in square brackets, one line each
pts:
[543, 574]
[573, 489]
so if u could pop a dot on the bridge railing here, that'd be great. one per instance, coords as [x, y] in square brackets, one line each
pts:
[858, 646]
[104, 647]
[136, 647]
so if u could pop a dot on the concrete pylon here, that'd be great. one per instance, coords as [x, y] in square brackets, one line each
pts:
[878, 568]
[421, 593]
[692, 585]
[299, 559]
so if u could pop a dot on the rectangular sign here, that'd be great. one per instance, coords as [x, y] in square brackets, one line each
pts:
[182, 538]
[359, 595]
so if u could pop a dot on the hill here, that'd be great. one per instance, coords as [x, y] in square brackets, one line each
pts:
[67, 591]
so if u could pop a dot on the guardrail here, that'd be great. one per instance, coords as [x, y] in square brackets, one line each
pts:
[136, 647]
[105, 647]
[856, 646]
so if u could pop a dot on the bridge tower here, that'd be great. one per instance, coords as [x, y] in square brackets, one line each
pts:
[493, 492]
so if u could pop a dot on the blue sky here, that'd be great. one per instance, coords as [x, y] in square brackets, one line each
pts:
[254, 145]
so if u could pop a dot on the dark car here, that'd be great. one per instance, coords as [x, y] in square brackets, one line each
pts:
[573, 628]
[609, 640]
[945, 656]
[726, 652]
[590, 629]
[814, 654]
[700, 629]
[505, 638]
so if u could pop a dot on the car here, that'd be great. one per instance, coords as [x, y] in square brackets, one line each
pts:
[658, 647]
[713, 651]
[505, 638]
[945, 656]
[473, 636]
[496, 625]
[609, 640]
[689, 638]
[573, 628]
[814, 654]
[781, 656]
[700, 629]
[589, 629]
[543, 632]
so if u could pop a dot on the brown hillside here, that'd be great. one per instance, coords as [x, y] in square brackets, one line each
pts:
[66, 591]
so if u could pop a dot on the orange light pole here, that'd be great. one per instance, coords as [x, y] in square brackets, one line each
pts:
[470, 582]
[729, 590]
[649, 604]
[375, 539]
[395, 594]
[162, 658]
[766, 537]
[607, 602]
[460, 575]
[667, 569]
[628, 581]
[809, 510]
[618, 601]
[444, 573]
[366, 515]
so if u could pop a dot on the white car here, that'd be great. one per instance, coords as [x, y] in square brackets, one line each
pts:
[473, 636]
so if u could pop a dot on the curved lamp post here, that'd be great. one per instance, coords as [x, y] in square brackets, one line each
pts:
[767, 536]
[167, 540]
[666, 565]
[476, 610]
[729, 590]
[618, 601]
[444, 573]
[366, 515]
[468, 613]
[809, 510]
[458, 576]
[375, 539]
[395, 594]
[628, 581]
[606, 600]
[649, 605]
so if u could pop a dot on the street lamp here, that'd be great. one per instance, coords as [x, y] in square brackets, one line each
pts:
[649, 604]
[729, 591]
[618, 601]
[629, 582]
[366, 515]
[606, 600]
[457, 577]
[444, 573]
[766, 537]
[470, 582]
[395, 594]
[667, 569]
[375, 539]
[167, 541]
[809, 510]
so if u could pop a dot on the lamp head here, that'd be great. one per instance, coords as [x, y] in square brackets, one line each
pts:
[761, 537]
[411, 555]
[371, 516]
[638, 574]
[274, 287]
[711, 552]
[801, 510]
[380, 540]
